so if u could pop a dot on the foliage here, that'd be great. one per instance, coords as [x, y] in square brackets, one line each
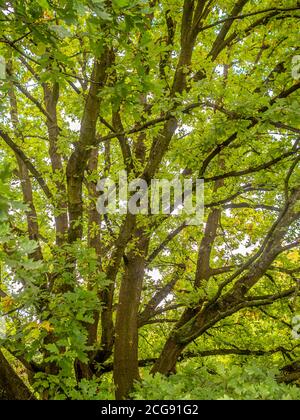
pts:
[161, 89]
[216, 381]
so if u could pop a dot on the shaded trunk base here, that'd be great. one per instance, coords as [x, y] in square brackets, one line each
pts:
[11, 385]
[166, 363]
[290, 374]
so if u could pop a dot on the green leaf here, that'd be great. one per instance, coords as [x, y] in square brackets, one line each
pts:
[43, 3]
[52, 348]
[121, 3]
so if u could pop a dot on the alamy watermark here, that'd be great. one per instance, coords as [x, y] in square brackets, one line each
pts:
[160, 196]
[2, 68]
[2, 328]
[296, 327]
[296, 67]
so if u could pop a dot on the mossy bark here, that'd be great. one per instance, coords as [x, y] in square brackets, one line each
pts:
[11, 385]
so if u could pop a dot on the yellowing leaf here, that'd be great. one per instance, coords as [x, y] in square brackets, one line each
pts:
[294, 256]
[46, 326]
[7, 303]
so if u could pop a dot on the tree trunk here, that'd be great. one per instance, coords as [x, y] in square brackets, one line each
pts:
[11, 385]
[51, 97]
[166, 363]
[290, 374]
[126, 369]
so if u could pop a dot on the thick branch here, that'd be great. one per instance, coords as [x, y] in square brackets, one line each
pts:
[36, 174]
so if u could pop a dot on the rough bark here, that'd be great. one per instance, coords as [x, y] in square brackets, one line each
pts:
[11, 385]
[107, 294]
[78, 161]
[51, 96]
[290, 373]
[86, 370]
[126, 369]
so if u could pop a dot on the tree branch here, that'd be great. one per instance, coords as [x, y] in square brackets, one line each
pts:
[36, 174]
